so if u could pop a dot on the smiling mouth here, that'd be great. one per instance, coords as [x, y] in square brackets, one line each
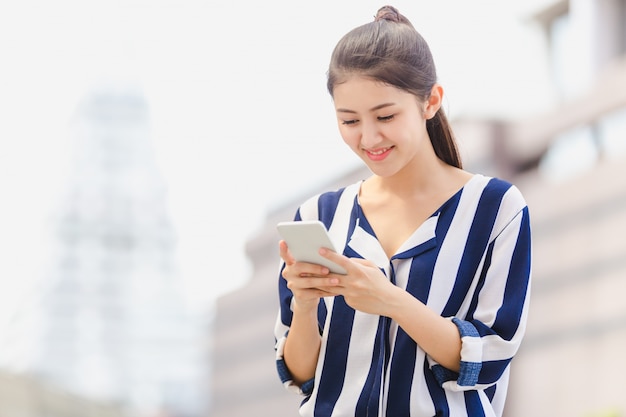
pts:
[377, 152]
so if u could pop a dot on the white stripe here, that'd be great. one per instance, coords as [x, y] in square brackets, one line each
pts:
[456, 403]
[491, 297]
[448, 261]
[308, 210]
[368, 247]
[421, 403]
[472, 349]
[402, 268]
[309, 406]
[279, 328]
[338, 230]
[358, 363]
[484, 400]
[511, 204]
[423, 233]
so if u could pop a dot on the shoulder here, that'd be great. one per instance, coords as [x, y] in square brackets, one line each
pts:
[512, 200]
[493, 190]
[323, 206]
[500, 203]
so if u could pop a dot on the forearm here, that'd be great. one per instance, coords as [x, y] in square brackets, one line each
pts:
[436, 335]
[303, 343]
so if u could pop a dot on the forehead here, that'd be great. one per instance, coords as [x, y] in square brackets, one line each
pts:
[362, 93]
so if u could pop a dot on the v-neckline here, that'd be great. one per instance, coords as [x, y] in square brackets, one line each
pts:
[421, 234]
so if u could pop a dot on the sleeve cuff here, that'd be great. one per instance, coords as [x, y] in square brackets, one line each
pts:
[285, 376]
[471, 360]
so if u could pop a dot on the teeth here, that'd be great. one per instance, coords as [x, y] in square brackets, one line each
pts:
[379, 152]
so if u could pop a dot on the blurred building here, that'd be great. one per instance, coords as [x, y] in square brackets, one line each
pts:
[109, 321]
[570, 163]
[26, 396]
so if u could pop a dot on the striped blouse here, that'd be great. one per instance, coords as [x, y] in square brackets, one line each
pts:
[470, 262]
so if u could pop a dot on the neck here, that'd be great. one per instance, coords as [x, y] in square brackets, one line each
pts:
[421, 178]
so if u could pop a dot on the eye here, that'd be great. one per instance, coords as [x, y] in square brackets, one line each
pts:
[386, 118]
[349, 122]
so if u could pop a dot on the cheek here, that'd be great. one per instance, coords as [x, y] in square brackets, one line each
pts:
[349, 135]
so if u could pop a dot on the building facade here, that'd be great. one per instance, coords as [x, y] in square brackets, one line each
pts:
[26, 396]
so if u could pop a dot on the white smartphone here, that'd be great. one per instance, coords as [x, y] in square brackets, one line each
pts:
[305, 238]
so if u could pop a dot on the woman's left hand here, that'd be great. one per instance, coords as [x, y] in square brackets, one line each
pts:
[364, 287]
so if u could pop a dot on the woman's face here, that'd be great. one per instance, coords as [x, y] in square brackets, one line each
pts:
[383, 125]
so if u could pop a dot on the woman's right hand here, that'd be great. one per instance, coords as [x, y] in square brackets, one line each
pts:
[305, 279]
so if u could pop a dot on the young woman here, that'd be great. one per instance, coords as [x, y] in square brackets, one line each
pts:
[434, 304]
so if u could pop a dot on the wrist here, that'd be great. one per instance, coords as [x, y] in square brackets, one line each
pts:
[400, 303]
[305, 306]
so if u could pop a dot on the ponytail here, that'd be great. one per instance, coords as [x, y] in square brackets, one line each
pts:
[443, 140]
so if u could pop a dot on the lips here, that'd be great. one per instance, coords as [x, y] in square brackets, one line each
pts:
[378, 154]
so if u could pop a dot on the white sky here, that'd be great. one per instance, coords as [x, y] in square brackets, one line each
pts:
[241, 120]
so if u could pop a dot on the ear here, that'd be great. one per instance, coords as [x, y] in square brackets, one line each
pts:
[433, 104]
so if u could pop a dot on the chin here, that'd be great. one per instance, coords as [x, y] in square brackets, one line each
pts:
[384, 172]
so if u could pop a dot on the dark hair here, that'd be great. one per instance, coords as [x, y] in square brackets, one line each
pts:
[390, 50]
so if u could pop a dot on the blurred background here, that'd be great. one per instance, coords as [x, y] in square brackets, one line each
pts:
[147, 149]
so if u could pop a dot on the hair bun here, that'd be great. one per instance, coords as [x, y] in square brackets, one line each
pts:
[388, 13]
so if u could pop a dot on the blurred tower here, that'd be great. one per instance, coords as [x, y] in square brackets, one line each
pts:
[109, 320]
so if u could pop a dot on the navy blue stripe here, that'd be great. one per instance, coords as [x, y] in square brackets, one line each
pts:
[381, 369]
[285, 296]
[401, 375]
[421, 275]
[517, 283]
[327, 206]
[370, 382]
[363, 222]
[481, 282]
[338, 343]
[436, 393]
[491, 392]
[473, 405]
[476, 242]
[444, 374]
[492, 370]
[482, 329]
[321, 315]
[283, 372]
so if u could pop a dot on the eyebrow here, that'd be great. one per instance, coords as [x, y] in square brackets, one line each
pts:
[378, 107]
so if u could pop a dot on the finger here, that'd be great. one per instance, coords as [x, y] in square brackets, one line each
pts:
[312, 283]
[331, 290]
[285, 254]
[364, 262]
[337, 258]
[312, 270]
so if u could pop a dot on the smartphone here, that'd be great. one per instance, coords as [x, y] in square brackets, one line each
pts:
[305, 238]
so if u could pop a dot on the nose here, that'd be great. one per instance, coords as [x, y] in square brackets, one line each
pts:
[370, 135]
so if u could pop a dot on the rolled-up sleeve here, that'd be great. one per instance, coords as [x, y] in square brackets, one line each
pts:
[492, 330]
[281, 330]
